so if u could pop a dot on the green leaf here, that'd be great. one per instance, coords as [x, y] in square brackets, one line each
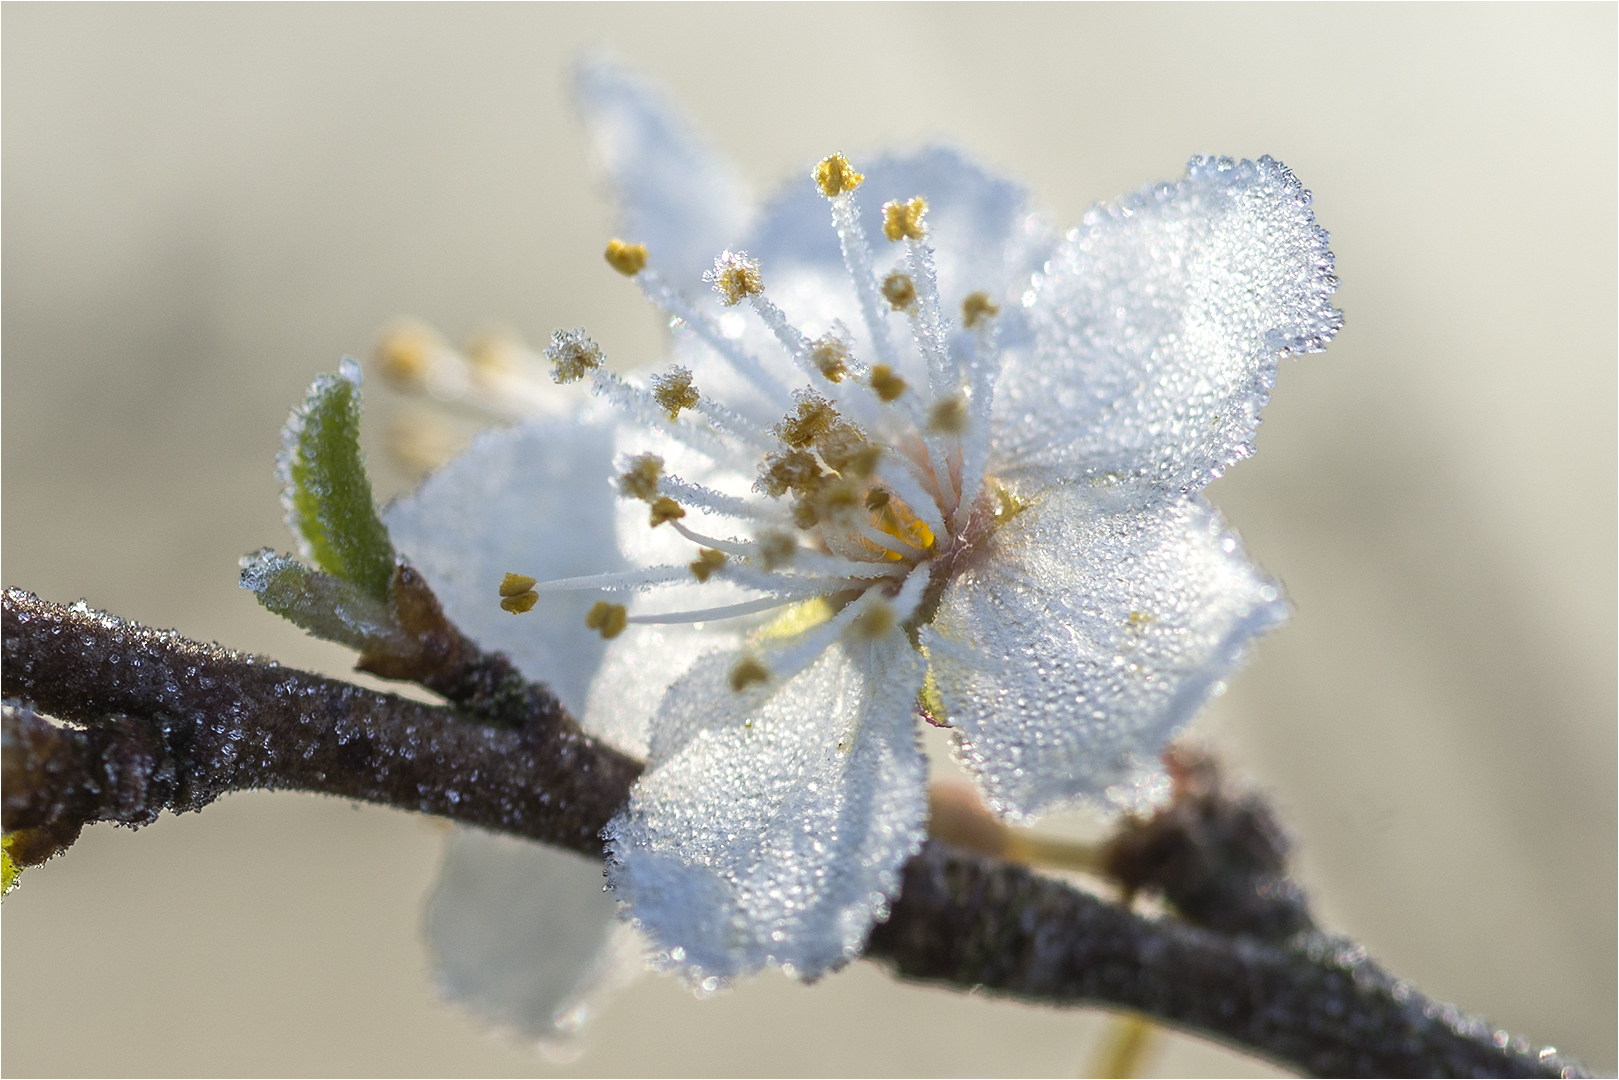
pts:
[326, 492]
[328, 607]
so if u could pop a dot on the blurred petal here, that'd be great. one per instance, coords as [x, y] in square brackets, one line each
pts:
[774, 830]
[1159, 325]
[1092, 630]
[532, 500]
[522, 933]
[675, 194]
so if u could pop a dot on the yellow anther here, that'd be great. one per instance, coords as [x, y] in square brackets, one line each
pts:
[877, 620]
[948, 417]
[978, 307]
[834, 175]
[804, 515]
[520, 603]
[666, 509]
[708, 560]
[627, 259]
[885, 383]
[792, 470]
[747, 672]
[641, 482]
[899, 291]
[606, 619]
[814, 419]
[406, 351]
[831, 356]
[515, 584]
[572, 355]
[735, 277]
[495, 352]
[902, 219]
[776, 549]
[876, 499]
[673, 390]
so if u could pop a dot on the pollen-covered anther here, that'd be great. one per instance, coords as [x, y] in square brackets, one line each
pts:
[834, 175]
[641, 481]
[902, 219]
[607, 619]
[735, 277]
[876, 499]
[708, 560]
[831, 357]
[516, 584]
[978, 307]
[948, 417]
[885, 384]
[813, 419]
[792, 470]
[877, 620]
[836, 501]
[572, 355]
[406, 351]
[520, 602]
[848, 451]
[666, 509]
[776, 549]
[627, 259]
[804, 515]
[748, 671]
[673, 391]
[899, 290]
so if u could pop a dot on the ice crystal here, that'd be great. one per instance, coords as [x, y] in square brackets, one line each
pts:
[951, 448]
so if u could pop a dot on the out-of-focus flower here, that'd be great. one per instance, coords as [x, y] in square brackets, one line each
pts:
[953, 472]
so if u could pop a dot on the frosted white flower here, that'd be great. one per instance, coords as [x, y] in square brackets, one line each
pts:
[913, 453]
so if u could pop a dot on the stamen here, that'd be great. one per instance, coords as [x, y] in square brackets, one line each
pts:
[516, 584]
[641, 481]
[748, 671]
[831, 357]
[674, 391]
[572, 355]
[948, 417]
[876, 499]
[792, 470]
[902, 219]
[734, 277]
[619, 579]
[908, 486]
[776, 549]
[813, 420]
[834, 176]
[520, 603]
[627, 259]
[405, 354]
[848, 451]
[857, 260]
[708, 560]
[690, 494]
[888, 542]
[677, 306]
[735, 547]
[976, 307]
[607, 619]
[665, 509]
[877, 620]
[899, 290]
[885, 384]
[729, 611]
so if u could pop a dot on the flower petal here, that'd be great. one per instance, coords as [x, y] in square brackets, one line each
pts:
[675, 194]
[1159, 325]
[1090, 632]
[523, 933]
[772, 825]
[531, 500]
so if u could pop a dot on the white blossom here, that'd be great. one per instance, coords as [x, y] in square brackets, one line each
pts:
[912, 452]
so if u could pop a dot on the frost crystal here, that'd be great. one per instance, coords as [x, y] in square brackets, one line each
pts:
[968, 452]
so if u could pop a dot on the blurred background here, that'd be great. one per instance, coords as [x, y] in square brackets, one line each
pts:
[204, 206]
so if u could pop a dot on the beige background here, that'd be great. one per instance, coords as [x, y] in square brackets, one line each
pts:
[204, 206]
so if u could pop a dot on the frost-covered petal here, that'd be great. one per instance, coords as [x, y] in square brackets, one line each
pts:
[674, 193]
[533, 500]
[1090, 632]
[523, 934]
[1159, 324]
[772, 828]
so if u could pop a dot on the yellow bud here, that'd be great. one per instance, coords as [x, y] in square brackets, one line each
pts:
[834, 175]
[673, 390]
[606, 619]
[520, 603]
[977, 307]
[515, 584]
[666, 509]
[899, 291]
[627, 259]
[747, 672]
[902, 219]
[708, 560]
[885, 383]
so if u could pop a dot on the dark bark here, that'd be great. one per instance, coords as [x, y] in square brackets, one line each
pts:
[161, 722]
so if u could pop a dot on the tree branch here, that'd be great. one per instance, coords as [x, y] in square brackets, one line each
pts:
[163, 722]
